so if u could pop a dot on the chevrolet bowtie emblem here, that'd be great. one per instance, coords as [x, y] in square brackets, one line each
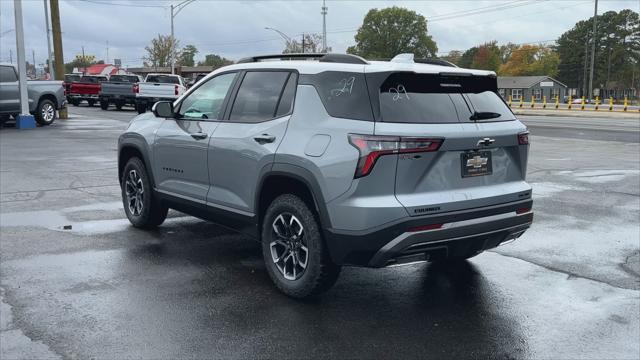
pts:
[486, 141]
[477, 162]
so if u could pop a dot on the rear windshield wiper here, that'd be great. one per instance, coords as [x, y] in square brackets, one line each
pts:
[484, 115]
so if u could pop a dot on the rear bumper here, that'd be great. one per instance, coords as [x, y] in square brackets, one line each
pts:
[117, 97]
[460, 233]
[83, 96]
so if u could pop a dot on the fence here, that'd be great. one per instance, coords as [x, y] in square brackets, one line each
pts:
[582, 105]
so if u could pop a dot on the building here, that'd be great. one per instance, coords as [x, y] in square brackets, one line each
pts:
[188, 72]
[100, 69]
[527, 87]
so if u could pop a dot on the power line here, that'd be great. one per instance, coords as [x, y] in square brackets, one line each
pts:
[137, 5]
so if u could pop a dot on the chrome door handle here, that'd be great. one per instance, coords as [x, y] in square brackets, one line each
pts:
[199, 136]
[264, 139]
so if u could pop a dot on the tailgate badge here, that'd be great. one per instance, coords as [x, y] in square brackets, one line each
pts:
[486, 141]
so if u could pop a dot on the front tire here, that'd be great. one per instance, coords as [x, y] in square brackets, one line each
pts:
[294, 252]
[141, 204]
[104, 105]
[75, 102]
[45, 112]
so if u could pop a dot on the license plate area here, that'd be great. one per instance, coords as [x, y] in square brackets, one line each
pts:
[476, 163]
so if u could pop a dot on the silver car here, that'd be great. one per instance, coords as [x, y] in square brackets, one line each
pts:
[335, 161]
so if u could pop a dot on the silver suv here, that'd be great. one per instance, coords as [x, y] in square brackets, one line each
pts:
[332, 160]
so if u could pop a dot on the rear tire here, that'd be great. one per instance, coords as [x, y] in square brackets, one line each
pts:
[141, 204]
[119, 105]
[284, 249]
[141, 108]
[45, 112]
[75, 102]
[104, 105]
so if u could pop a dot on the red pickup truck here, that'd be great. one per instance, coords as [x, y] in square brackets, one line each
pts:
[87, 88]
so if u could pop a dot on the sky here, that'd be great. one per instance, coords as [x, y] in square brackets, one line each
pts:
[235, 29]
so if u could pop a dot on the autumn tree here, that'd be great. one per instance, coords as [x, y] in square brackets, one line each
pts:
[312, 44]
[160, 50]
[485, 57]
[388, 32]
[453, 56]
[531, 60]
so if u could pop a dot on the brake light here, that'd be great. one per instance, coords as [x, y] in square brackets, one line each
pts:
[425, 227]
[136, 89]
[175, 90]
[371, 147]
[523, 138]
[522, 210]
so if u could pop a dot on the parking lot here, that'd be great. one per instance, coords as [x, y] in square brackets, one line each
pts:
[78, 281]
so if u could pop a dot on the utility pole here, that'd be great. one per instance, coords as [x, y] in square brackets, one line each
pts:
[49, 62]
[584, 72]
[107, 60]
[171, 49]
[57, 47]
[593, 49]
[11, 56]
[303, 43]
[33, 57]
[25, 120]
[324, 26]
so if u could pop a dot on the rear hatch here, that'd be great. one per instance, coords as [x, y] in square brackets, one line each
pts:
[159, 86]
[482, 156]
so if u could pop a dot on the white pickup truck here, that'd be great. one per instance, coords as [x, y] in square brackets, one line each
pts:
[157, 87]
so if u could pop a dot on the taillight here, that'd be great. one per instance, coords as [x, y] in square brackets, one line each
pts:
[136, 89]
[522, 210]
[371, 147]
[523, 138]
[425, 227]
[175, 90]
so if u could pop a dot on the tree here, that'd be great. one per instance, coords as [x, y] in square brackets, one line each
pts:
[617, 40]
[187, 55]
[454, 57]
[388, 32]
[312, 44]
[485, 57]
[215, 60]
[80, 62]
[531, 60]
[160, 50]
[467, 57]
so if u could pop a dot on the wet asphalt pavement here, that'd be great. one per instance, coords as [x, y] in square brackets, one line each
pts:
[569, 288]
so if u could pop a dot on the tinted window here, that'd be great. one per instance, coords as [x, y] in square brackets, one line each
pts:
[8, 74]
[163, 79]
[435, 98]
[124, 78]
[205, 102]
[71, 78]
[288, 95]
[343, 94]
[92, 79]
[258, 96]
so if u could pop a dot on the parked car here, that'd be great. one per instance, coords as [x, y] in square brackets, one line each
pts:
[157, 87]
[45, 96]
[118, 91]
[340, 161]
[87, 88]
[68, 79]
[195, 80]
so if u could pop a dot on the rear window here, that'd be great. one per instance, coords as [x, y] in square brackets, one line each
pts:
[438, 98]
[71, 78]
[92, 79]
[124, 78]
[8, 74]
[163, 79]
[344, 94]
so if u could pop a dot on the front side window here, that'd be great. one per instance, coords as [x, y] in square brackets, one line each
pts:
[258, 96]
[8, 74]
[205, 102]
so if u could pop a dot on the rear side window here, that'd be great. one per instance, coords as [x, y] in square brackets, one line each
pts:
[288, 95]
[437, 98]
[344, 94]
[8, 74]
[258, 96]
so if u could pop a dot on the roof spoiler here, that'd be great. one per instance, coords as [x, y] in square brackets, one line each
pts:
[408, 58]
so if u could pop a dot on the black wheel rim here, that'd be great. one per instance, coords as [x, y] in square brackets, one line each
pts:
[288, 246]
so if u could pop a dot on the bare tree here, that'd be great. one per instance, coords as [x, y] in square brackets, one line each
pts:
[312, 44]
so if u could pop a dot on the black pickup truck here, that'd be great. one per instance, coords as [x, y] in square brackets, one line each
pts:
[118, 91]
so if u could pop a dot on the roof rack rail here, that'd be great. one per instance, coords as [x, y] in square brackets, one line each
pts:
[322, 57]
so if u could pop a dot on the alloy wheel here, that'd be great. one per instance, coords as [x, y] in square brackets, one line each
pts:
[289, 250]
[135, 193]
[48, 112]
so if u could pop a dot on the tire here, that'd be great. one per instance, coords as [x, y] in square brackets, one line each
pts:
[91, 102]
[119, 105]
[292, 278]
[45, 112]
[104, 105]
[75, 102]
[141, 108]
[143, 208]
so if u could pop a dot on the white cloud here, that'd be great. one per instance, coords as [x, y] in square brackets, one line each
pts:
[236, 29]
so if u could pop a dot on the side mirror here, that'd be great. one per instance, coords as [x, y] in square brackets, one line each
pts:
[163, 109]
